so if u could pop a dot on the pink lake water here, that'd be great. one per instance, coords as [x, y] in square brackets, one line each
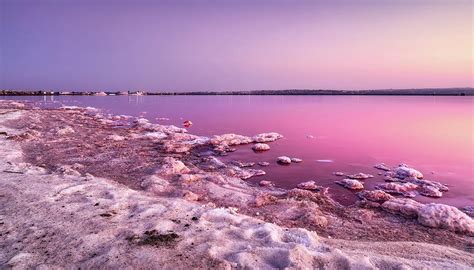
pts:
[432, 134]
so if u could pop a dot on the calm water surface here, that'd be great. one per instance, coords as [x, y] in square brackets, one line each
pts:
[432, 134]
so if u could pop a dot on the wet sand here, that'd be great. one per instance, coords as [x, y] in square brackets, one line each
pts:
[142, 189]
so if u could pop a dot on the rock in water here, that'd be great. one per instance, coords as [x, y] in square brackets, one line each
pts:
[187, 123]
[296, 160]
[382, 166]
[265, 183]
[260, 147]
[360, 176]
[242, 164]
[396, 188]
[430, 191]
[310, 185]
[403, 171]
[267, 137]
[230, 139]
[263, 163]
[247, 173]
[284, 160]
[423, 182]
[351, 184]
[447, 217]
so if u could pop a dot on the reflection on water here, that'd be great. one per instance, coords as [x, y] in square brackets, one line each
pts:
[433, 134]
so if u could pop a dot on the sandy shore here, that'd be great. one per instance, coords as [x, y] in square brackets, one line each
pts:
[79, 189]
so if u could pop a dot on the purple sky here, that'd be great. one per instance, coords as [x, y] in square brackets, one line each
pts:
[235, 45]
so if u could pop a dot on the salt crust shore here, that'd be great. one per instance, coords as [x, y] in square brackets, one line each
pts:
[57, 219]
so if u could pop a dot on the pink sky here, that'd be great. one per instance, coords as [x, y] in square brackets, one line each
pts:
[235, 45]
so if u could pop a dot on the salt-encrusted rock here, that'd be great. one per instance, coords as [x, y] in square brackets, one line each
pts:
[265, 183]
[388, 178]
[267, 137]
[157, 135]
[172, 166]
[263, 199]
[375, 196]
[403, 171]
[260, 147]
[447, 217]
[190, 196]
[64, 130]
[115, 137]
[212, 163]
[284, 160]
[360, 176]
[422, 182]
[296, 160]
[189, 178]
[171, 129]
[170, 146]
[68, 170]
[155, 184]
[230, 139]
[141, 122]
[242, 164]
[351, 184]
[382, 166]
[339, 173]
[246, 173]
[263, 163]
[144, 124]
[396, 188]
[309, 185]
[403, 206]
[429, 191]
[315, 219]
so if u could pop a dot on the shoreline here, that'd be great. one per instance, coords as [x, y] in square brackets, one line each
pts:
[454, 91]
[168, 166]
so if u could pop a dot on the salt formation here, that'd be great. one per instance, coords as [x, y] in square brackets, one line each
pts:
[382, 166]
[403, 171]
[360, 176]
[378, 196]
[267, 137]
[446, 217]
[350, 184]
[296, 160]
[309, 185]
[284, 160]
[261, 147]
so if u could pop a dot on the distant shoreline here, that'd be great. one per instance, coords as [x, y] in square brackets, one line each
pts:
[292, 92]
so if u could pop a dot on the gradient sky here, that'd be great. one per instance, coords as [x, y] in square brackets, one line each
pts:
[235, 45]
